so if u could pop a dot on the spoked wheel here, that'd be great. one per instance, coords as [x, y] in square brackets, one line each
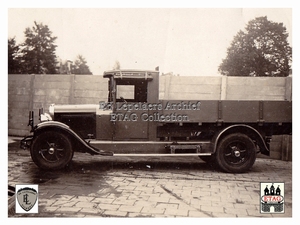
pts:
[236, 153]
[51, 150]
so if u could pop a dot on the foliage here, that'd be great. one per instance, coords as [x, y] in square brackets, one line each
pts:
[262, 50]
[37, 55]
[117, 65]
[38, 51]
[80, 66]
[14, 66]
[64, 66]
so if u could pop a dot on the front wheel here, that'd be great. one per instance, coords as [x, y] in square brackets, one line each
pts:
[236, 153]
[51, 150]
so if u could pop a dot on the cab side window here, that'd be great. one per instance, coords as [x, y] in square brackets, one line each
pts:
[131, 90]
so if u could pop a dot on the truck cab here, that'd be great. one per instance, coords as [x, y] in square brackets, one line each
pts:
[129, 91]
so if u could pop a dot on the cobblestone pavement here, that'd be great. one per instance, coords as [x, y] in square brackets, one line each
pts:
[96, 186]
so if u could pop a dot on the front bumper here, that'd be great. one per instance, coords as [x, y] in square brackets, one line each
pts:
[26, 142]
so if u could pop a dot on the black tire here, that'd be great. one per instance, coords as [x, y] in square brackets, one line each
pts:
[51, 150]
[236, 153]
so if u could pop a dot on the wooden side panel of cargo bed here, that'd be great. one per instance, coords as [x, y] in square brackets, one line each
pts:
[233, 111]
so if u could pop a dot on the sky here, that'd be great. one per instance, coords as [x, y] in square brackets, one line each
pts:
[185, 41]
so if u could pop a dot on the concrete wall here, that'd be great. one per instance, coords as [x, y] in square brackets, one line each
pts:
[223, 87]
[31, 92]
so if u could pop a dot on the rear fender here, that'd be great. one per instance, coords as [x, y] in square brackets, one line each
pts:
[78, 143]
[245, 129]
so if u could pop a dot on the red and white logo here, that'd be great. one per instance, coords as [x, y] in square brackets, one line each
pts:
[272, 197]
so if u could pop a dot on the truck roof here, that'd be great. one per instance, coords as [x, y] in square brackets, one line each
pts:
[131, 74]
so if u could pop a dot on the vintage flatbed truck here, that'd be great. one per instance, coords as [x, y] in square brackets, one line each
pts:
[134, 122]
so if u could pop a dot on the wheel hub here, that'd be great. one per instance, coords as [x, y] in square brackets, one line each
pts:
[51, 150]
[237, 153]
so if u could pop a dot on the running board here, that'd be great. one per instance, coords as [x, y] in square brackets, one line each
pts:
[164, 155]
[154, 148]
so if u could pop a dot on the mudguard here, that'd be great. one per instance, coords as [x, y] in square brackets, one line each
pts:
[56, 126]
[249, 131]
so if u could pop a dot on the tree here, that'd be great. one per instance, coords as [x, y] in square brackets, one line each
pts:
[117, 65]
[38, 51]
[14, 66]
[80, 66]
[262, 50]
[64, 66]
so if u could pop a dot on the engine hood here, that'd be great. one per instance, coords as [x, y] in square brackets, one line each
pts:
[81, 108]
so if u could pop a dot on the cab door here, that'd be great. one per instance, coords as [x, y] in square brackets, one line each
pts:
[127, 116]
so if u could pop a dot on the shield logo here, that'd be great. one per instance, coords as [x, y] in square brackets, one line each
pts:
[272, 197]
[27, 197]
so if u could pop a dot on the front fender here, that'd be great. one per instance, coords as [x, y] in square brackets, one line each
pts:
[51, 124]
[75, 139]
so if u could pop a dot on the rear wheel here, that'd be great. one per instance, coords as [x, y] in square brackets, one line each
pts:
[236, 153]
[51, 150]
